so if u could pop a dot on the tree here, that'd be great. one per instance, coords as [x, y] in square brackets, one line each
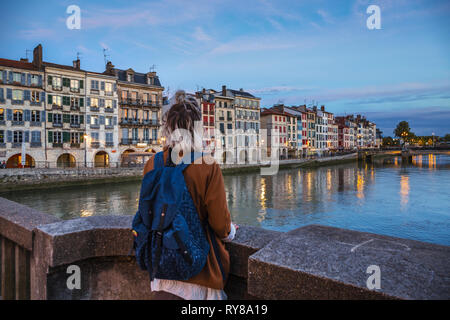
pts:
[447, 137]
[402, 130]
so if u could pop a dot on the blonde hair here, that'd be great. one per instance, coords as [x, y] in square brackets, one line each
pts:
[181, 126]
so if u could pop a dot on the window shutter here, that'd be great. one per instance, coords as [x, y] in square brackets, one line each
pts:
[88, 102]
[92, 84]
[115, 87]
[102, 85]
[102, 119]
[1, 94]
[9, 114]
[50, 99]
[81, 138]
[66, 136]
[81, 84]
[27, 115]
[114, 104]
[10, 77]
[27, 136]
[66, 101]
[5, 75]
[28, 79]
[9, 92]
[50, 135]
[42, 116]
[26, 94]
[66, 82]
[81, 119]
[88, 119]
[49, 80]
[50, 117]
[40, 81]
[66, 118]
[22, 78]
[81, 102]
[115, 121]
[102, 102]
[42, 96]
[9, 136]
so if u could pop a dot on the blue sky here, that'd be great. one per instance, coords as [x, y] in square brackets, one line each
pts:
[282, 51]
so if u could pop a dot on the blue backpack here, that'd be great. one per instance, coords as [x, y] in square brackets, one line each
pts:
[169, 238]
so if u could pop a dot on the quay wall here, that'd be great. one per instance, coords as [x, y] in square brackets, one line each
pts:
[37, 252]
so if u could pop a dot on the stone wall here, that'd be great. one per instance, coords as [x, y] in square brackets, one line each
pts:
[312, 262]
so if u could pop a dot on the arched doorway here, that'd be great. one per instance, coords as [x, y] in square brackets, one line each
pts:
[243, 156]
[15, 161]
[101, 159]
[66, 160]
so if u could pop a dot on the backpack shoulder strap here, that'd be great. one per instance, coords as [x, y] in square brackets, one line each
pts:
[158, 160]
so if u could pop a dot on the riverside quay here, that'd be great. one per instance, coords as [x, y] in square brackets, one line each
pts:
[54, 115]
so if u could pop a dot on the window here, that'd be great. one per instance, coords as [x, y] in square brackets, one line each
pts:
[94, 136]
[129, 77]
[75, 137]
[57, 100]
[56, 82]
[125, 113]
[18, 136]
[34, 80]
[74, 119]
[146, 115]
[36, 136]
[17, 95]
[74, 102]
[17, 77]
[124, 94]
[94, 84]
[94, 102]
[2, 114]
[57, 118]
[135, 114]
[108, 121]
[133, 95]
[146, 134]
[108, 87]
[17, 115]
[154, 134]
[35, 116]
[94, 120]
[108, 104]
[74, 84]
[35, 96]
[134, 133]
[1, 76]
[2, 135]
[109, 137]
[154, 115]
[145, 97]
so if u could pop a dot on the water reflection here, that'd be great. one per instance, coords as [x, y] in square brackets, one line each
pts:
[367, 197]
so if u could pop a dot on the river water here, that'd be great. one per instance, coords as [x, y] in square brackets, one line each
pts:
[408, 201]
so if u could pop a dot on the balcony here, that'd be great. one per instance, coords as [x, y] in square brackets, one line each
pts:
[57, 125]
[17, 144]
[35, 103]
[109, 110]
[75, 145]
[109, 126]
[109, 93]
[57, 144]
[94, 126]
[35, 124]
[17, 123]
[2, 145]
[95, 91]
[75, 90]
[74, 125]
[74, 108]
[2, 122]
[109, 144]
[94, 109]
[35, 144]
[125, 141]
[16, 101]
[95, 144]
[221, 118]
[56, 107]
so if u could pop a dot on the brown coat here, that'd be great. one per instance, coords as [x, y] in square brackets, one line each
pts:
[205, 184]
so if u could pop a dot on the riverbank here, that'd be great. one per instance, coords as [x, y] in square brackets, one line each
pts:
[30, 179]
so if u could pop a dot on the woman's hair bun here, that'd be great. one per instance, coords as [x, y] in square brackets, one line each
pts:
[180, 96]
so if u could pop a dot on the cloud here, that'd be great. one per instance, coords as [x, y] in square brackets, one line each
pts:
[36, 33]
[200, 35]
[279, 89]
[255, 44]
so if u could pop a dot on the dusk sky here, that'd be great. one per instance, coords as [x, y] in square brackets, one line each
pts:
[282, 51]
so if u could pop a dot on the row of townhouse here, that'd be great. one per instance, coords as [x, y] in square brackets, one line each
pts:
[298, 131]
[231, 119]
[57, 115]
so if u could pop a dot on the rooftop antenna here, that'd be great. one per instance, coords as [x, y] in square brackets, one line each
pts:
[105, 55]
[26, 53]
[152, 68]
[78, 55]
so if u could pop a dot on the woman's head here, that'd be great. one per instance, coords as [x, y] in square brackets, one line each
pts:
[181, 125]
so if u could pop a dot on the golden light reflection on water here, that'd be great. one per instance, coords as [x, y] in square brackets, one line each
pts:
[360, 185]
[86, 213]
[404, 191]
[263, 200]
[329, 179]
[431, 161]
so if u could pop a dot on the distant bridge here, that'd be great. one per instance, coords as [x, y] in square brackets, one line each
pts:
[406, 154]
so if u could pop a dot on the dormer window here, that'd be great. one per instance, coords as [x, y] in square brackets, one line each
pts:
[129, 77]
[149, 80]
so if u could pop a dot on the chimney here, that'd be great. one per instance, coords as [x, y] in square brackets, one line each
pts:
[224, 91]
[23, 59]
[241, 90]
[76, 64]
[315, 108]
[322, 108]
[37, 57]
[109, 68]
[204, 90]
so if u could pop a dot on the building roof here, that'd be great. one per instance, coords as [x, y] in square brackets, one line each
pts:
[140, 78]
[17, 64]
[61, 66]
[271, 111]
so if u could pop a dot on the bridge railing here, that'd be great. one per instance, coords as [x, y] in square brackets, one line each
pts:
[40, 254]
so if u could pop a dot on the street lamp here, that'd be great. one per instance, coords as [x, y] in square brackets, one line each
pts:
[85, 136]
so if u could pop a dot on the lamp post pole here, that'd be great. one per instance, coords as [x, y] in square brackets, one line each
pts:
[85, 150]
